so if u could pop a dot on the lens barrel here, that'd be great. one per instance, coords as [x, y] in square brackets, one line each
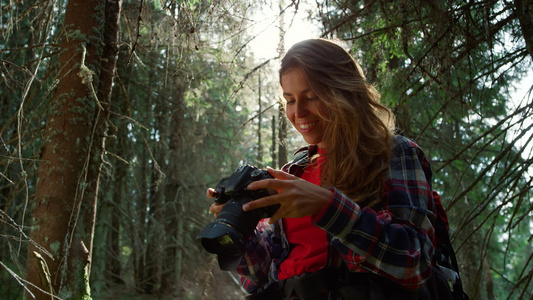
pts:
[227, 235]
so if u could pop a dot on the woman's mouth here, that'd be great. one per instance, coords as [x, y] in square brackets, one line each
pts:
[306, 126]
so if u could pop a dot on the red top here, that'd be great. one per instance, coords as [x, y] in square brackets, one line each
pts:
[308, 242]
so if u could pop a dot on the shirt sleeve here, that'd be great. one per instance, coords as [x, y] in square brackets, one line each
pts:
[258, 267]
[397, 241]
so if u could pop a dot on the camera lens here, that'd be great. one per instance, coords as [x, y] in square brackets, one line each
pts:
[222, 240]
[226, 236]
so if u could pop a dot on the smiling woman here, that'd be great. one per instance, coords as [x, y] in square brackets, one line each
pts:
[355, 205]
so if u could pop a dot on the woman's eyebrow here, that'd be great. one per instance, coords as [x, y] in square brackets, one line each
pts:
[302, 92]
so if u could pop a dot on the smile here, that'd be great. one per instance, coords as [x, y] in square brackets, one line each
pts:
[307, 125]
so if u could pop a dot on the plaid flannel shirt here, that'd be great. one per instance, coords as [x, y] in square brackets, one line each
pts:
[396, 242]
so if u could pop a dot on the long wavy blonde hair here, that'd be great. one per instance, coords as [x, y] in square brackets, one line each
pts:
[358, 137]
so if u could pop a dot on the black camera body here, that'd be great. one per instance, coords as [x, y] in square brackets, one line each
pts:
[227, 235]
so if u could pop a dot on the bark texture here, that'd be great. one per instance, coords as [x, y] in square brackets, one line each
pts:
[66, 194]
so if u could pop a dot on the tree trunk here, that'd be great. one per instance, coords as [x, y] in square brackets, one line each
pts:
[273, 149]
[172, 212]
[489, 284]
[282, 127]
[282, 137]
[66, 193]
[259, 159]
[524, 12]
[139, 230]
[153, 240]
[113, 267]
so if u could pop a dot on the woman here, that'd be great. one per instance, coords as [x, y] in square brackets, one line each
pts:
[356, 211]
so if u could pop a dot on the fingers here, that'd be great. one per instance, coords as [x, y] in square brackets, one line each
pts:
[278, 174]
[276, 184]
[210, 193]
[216, 208]
[298, 198]
[278, 215]
[283, 182]
[262, 202]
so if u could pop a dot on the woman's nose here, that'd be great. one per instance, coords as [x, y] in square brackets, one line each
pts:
[301, 109]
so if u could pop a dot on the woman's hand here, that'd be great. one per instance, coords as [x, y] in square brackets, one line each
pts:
[215, 208]
[297, 197]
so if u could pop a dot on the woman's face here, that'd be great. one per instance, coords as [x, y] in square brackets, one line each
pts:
[303, 107]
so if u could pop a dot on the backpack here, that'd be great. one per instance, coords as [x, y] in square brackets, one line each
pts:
[445, 282]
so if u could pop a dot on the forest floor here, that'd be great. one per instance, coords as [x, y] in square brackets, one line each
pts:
[215, 285]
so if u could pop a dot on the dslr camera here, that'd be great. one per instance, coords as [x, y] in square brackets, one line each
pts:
[227, 235]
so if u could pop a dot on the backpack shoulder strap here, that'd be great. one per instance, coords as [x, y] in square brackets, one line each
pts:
[445, 253]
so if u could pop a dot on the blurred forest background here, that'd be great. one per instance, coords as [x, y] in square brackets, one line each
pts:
[117, 115]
